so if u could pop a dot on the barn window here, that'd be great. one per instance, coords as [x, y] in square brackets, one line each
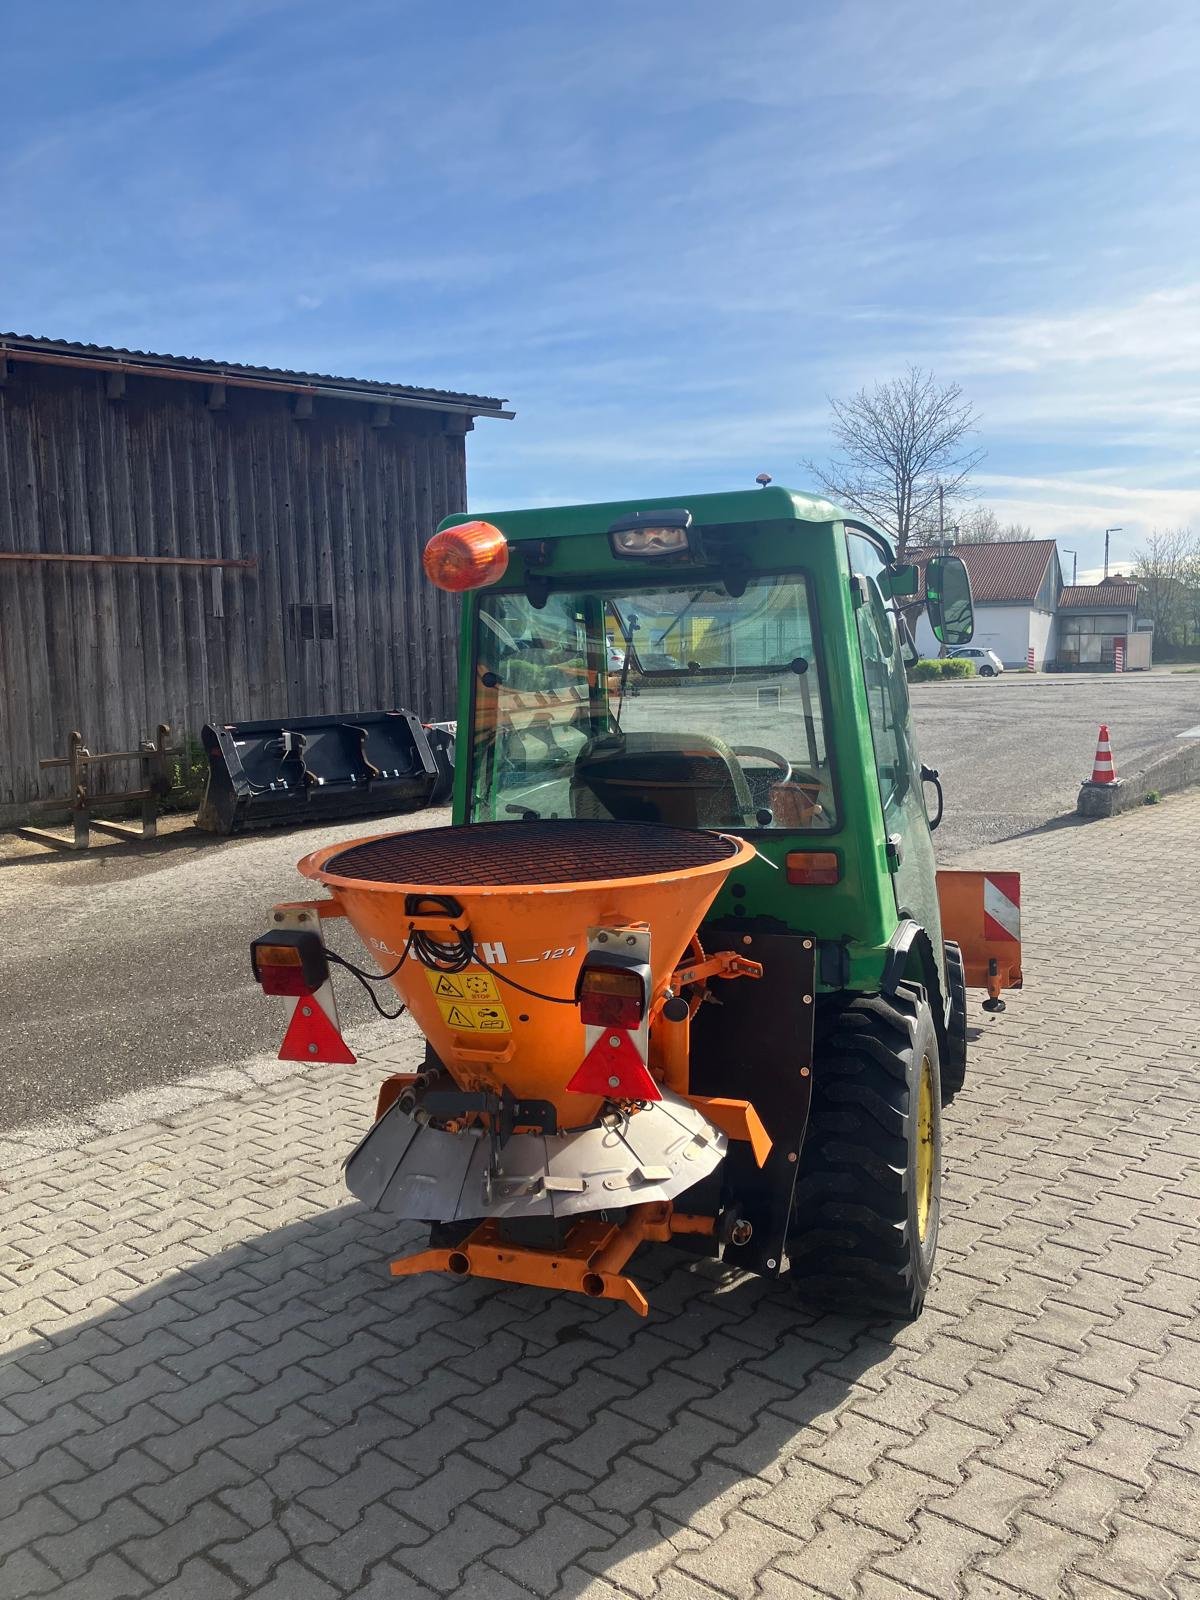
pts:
[312, 621]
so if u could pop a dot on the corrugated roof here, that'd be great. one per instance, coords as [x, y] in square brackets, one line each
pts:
[15, 343]
[1111, 595]
[999, 572]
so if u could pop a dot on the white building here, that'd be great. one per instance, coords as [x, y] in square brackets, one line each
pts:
[1016, 588]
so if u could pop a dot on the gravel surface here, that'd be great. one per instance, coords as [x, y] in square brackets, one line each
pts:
[128, 968]
[1012, 751]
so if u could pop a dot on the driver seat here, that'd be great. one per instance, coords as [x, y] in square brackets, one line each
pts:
[685, 780]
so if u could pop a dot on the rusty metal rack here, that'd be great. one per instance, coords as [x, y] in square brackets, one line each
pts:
[83, 803]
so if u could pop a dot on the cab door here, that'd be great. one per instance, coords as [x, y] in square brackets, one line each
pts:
[897, 764]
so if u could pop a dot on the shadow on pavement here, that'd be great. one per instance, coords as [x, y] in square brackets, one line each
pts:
[287, 1399]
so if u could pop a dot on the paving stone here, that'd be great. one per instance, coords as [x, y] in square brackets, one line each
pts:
[377, 1535]
[1037, 1560]
[732, 1561]
[295, 1582]
[889, 1502]
[109, 1578]
[1123, 1450]
[38, 1516]
[440, 1562]
[71, 1553]
[627, 1486]
[538, 1560]
[932, 1563]
[635, 1564]
[343, 1500]
[1141, 1558]
[836, 1557]
[434, 1501]
[199, 1580]
[25, 1575]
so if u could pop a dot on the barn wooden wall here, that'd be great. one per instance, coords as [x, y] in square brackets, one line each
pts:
[334, 510]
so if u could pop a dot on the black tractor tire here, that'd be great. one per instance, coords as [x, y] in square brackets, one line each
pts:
[954, 1047]
[868, 1194]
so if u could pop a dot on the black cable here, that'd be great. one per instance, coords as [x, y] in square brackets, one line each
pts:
[554, 999]
[366, 979]
[438, 955]
[373, 977]
[444, 957]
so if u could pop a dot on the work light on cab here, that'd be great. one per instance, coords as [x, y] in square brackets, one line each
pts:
[469, 556]
[651, 533]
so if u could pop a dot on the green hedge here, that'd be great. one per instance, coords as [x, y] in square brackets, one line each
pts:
[935, 671]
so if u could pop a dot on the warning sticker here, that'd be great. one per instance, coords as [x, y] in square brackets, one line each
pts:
[468, 1017]
[475, 986]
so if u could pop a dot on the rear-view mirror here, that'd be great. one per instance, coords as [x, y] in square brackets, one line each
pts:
[948, 598]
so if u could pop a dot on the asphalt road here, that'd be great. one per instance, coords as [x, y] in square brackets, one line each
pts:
[128, 968]
[1012, 751]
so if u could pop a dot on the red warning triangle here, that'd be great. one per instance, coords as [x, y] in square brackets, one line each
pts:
[312, 1037]
[614, 1070]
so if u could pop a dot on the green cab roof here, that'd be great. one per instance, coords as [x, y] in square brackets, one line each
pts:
[772, 504]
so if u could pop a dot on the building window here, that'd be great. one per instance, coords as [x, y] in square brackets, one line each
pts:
[312, 621]
[1087, 640]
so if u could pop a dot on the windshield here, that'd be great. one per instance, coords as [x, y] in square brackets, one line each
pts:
[688, 706]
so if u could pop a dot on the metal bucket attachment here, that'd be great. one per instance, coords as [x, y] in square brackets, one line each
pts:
[316, 769]
[442, 736]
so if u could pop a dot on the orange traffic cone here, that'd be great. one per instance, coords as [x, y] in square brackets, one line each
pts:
[1105, 768]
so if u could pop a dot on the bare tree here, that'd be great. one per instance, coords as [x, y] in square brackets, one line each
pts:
[899, 444]
[1168, 571]
[981, 525]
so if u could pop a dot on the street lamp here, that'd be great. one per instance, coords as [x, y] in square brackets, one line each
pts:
[1107, 531]
[1074, 565]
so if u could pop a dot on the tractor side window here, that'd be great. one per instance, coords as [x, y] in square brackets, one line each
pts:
[883, 669]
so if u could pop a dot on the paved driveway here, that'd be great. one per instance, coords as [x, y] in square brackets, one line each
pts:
[211, 1388]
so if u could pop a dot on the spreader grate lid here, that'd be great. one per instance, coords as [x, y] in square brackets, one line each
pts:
[500, 854]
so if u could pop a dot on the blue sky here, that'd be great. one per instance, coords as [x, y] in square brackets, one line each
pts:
[665, 231]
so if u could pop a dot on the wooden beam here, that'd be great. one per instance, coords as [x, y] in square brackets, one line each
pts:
[114, 386]
[130, 561]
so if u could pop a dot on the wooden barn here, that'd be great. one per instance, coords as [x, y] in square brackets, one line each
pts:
[188, 540]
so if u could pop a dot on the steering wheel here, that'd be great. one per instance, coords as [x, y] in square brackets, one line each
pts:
[761, 752]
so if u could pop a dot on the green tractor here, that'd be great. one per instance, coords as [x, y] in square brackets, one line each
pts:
[685, 757]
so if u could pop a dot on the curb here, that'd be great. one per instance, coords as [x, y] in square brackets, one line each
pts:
[1177, 769]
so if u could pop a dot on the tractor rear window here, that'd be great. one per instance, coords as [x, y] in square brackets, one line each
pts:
[688, 706]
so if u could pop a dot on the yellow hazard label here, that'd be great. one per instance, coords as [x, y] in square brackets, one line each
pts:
[467, 1017]
[473, 986]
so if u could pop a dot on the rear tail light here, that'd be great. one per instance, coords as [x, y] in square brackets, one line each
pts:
[289, 962]
[612, 997]
[811, 868]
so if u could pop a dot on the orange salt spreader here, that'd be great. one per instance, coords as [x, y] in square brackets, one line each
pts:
[553, 968]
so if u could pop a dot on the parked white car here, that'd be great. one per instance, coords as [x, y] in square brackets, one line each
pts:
[986, 662]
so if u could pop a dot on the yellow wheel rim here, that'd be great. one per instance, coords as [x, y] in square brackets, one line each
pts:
[925, 1150]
